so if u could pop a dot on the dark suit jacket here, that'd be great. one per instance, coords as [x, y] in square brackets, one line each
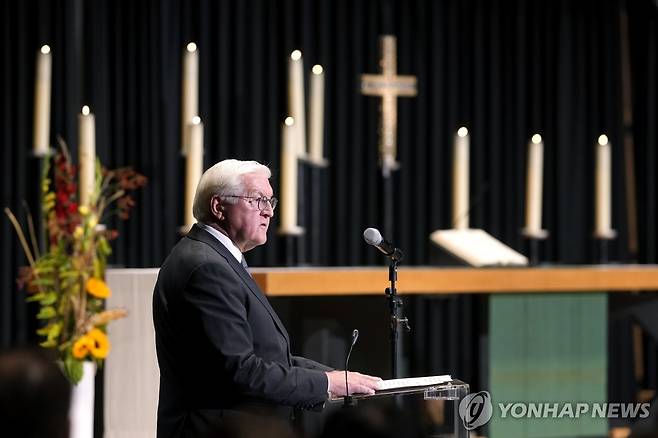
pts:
[221, 347]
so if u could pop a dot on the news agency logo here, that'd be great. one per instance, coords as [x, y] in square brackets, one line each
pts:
[476, 410]
[574, 410]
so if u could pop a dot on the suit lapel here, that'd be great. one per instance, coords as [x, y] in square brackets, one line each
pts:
[197, 233]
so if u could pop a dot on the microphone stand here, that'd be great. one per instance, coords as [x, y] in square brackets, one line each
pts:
[373, 237]
[395, 309]
[349, 401]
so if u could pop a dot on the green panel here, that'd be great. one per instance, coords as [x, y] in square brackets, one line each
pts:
[547, 348]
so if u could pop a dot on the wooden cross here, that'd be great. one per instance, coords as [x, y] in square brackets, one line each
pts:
[389, 86]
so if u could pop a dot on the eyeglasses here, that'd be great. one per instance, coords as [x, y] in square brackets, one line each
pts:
[261, 201]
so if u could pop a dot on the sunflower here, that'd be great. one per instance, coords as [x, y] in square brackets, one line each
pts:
[82, 346]
[100, 344]
[98, 288]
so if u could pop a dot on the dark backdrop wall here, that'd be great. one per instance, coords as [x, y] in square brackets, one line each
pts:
[505, 69]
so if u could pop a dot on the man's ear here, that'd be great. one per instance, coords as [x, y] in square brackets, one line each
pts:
[217, 207]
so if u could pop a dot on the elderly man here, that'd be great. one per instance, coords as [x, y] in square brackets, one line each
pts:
[223, 352]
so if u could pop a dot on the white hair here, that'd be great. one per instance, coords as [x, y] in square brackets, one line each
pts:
[224, 178]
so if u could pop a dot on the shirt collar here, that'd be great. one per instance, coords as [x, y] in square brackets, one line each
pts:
[224, 240]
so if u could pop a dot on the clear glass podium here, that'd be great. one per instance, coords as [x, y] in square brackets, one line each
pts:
[435, 406]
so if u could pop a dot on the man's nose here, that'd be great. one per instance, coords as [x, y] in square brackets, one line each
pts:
[268, 211]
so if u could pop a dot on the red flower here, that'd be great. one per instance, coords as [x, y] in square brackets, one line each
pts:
[60, 212]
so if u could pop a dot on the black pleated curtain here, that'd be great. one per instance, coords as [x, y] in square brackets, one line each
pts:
[504, 69]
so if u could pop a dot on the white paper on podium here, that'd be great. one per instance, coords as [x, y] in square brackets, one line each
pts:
[412, 382]
[477, 248]
[407, 385]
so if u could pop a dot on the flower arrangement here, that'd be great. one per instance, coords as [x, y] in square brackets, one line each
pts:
[67, 279]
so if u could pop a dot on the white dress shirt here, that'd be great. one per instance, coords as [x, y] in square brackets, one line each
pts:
[224, 240]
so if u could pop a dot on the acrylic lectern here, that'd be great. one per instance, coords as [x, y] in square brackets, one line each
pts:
[440, 401]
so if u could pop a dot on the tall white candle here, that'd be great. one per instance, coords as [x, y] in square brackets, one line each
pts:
[87, 155]
[534, 182]
[316, 113]
[296, 101]
[288, 221]
[42, 93]
[603, 218]
[460, 180]
[190, 93]
[193, 167]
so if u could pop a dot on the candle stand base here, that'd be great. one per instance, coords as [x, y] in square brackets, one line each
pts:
[603, 245]
[38, 165]
[291, 251]
[318, 214]
[41, 154]
[534, 237]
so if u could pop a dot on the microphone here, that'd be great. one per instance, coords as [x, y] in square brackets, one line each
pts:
[373, 237]
[355, 336]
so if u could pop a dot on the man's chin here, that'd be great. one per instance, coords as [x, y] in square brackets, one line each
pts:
[258, 242]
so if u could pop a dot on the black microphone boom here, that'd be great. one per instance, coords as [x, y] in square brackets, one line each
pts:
[355, 336]
[373, 237]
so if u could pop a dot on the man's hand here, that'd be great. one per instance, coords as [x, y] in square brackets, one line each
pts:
[358, 383]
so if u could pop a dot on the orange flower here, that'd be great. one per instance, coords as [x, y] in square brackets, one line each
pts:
[82, 346]
[100, 344]
[98, 288]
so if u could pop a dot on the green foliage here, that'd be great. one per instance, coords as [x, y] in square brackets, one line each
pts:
[47, 312]
[73, 369]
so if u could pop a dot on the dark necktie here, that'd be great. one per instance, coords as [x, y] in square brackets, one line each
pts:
[244, 264]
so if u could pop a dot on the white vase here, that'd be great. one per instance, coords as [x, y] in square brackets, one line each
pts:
[82, 404]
